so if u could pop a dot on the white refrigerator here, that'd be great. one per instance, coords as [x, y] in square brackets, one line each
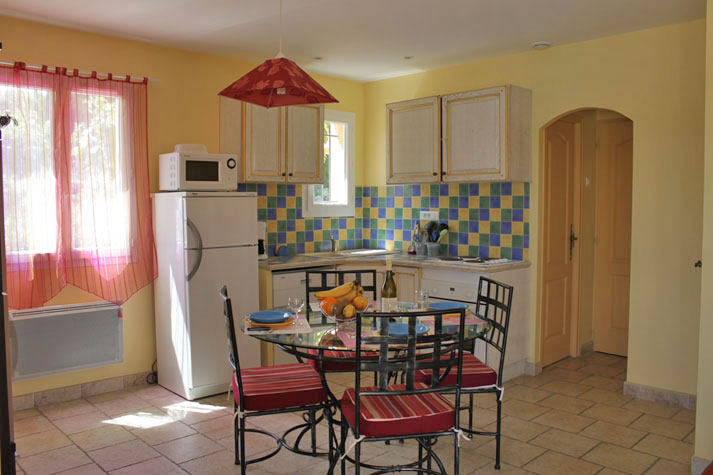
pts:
[204, 240]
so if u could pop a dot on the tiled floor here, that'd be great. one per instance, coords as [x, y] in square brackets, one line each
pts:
[571, 419]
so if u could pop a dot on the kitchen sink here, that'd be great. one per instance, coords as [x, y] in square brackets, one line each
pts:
[366, 252]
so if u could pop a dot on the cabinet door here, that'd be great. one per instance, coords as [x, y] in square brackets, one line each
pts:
[305, 143]
[413, 136]
[231, 126]
[475, 134]
[264, 145]
[406, 283]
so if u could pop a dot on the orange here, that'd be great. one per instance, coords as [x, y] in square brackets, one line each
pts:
[328, 305]
[360, 303]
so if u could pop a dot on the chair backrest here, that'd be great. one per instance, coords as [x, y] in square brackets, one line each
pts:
[233, 356]
[319, 280]
[440, 350]
[493, 305]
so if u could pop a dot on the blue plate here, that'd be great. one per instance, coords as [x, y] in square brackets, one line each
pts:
[401, 329]
[447, 305]
[269, 316]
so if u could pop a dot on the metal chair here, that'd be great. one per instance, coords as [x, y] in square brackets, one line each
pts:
[411, 410]
[272, 390]
[493, 305]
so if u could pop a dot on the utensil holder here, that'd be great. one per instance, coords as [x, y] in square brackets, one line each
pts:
[433, 249]
[420, 248]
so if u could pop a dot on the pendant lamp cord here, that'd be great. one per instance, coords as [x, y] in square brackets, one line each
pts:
[280, 55]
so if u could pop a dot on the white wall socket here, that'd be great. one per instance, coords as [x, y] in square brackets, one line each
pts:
[429, 215]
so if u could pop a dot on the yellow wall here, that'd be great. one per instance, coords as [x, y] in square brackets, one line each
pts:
[183, 108]
[704, 402]
[654, 77]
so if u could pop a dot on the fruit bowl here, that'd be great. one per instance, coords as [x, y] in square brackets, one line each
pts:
[343, 302]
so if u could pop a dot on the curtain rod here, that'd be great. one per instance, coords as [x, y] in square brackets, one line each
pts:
[81, 71]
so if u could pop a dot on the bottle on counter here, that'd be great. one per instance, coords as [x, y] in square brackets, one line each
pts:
[388, 290]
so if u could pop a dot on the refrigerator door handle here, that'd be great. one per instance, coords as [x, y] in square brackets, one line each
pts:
[193, 228]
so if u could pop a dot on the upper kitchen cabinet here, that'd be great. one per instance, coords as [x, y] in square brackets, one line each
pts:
[486, 135]
[413, 141]
[279, 145]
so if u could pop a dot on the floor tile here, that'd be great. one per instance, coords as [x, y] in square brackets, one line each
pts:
[82, 422]
[513, 451]
[41, 442]
[599, 370]
[66, 409]
[91, 469]
[25, 413]
[666, 448]
[157, 466]
[32, 425]
[662, 426]
[566, 388]
[667, 467]
[523, 410]
[603, 359]
[532, 381]
[619, 458]
[565, 442]
[54, 461]
[101, 437]
[221, 427]
[149, 391]
[218, 463]
[654, 408]
[505, 469]
[566, 403]
[564, 421]
[518, 428]
[566, 374]
[121, 455]
[191, 412]
[121, 405]
[603, 396]
[163, 433]
[189, 448]
[570, 363]
[614, 415]
[524, 393]
[613, 433]
[691, 438]
[685, 415]
[604, 383]
[552, 463]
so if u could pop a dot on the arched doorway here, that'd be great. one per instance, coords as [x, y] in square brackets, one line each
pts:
[586, 234]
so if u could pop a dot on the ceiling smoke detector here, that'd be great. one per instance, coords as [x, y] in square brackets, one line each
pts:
[540, 45]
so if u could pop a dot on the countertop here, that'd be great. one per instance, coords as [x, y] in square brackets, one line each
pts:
[301, 261]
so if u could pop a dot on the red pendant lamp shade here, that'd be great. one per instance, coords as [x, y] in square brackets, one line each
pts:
[278, 82]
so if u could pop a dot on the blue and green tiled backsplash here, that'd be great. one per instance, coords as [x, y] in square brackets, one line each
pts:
[484, 219]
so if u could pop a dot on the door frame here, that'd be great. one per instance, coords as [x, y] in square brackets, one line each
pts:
[576, 120]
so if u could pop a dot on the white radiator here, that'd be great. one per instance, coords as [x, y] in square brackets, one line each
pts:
[54, 340]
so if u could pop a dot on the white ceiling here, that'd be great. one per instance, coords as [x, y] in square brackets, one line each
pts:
[363, 40]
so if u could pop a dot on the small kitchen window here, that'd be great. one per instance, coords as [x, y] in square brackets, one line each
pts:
[335, 196]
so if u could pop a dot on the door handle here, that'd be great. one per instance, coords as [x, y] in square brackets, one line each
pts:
[572, 238]
[193, 228]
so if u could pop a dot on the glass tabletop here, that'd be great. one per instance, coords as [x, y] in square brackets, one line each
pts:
[329, 334]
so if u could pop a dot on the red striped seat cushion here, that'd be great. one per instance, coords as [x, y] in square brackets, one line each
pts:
[336, 366]
[399, 415]
[279, 387]
[475, 374]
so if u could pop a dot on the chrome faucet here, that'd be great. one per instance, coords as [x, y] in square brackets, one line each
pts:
[332, 244]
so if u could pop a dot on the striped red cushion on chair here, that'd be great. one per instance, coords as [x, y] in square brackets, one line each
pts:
[399, 415]
[332, 366]
[475, 374]
[279, 387]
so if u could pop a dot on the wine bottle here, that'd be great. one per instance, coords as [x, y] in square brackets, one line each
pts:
[388, 290]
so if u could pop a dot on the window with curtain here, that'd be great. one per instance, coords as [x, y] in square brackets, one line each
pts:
[75, 186]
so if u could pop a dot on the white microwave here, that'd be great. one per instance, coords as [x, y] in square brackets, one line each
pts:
[192, 168]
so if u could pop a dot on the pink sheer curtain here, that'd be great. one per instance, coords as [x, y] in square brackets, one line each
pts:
[76, 186]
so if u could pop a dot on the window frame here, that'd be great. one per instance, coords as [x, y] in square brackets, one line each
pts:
[310, 209]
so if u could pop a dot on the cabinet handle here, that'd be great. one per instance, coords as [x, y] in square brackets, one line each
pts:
[435, 174]
[283, 174]
[443, 173]
[290, 174]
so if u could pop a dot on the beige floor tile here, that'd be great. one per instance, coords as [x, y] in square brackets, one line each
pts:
[667, 467]
[613, 433]
[664, 447]
[605, 397]
[54, 461]
[532, 381]
[505, 469]
[66, 409]
[619, 458]
[483, 401]
[149, 391]
[24, 414]
[565, 442]
[217, 463]
[157, 466]
[191, 412]
[691, 438]
[615, 415]
[189, 448]
[566, 403]
[552, 463]
[598, 370]
[685, 415]
[519, 429]
[604, 383]
[32, 425]
[163, 433]
[610, 471]
[571, 363]
[564, 421]
[121, 455]
[662, 426]
[91, 469]
[522, 410]
[524, 393]
[566, 388]
[654, 408]
[566, 374]
[108, 396]
[512, 451]
[144, 418]
[41, 442]
[101, 437]
[82, 422]
[481, 417]
[603, 359]
[126, 403]
[221, 427]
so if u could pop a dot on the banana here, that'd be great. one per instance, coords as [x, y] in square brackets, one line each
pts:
[337, 292]
[349, 296]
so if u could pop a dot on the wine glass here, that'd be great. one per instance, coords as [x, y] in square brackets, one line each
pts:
[421, 298]
[296, 304]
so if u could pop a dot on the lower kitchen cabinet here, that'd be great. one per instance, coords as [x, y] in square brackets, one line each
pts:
[407, 279]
